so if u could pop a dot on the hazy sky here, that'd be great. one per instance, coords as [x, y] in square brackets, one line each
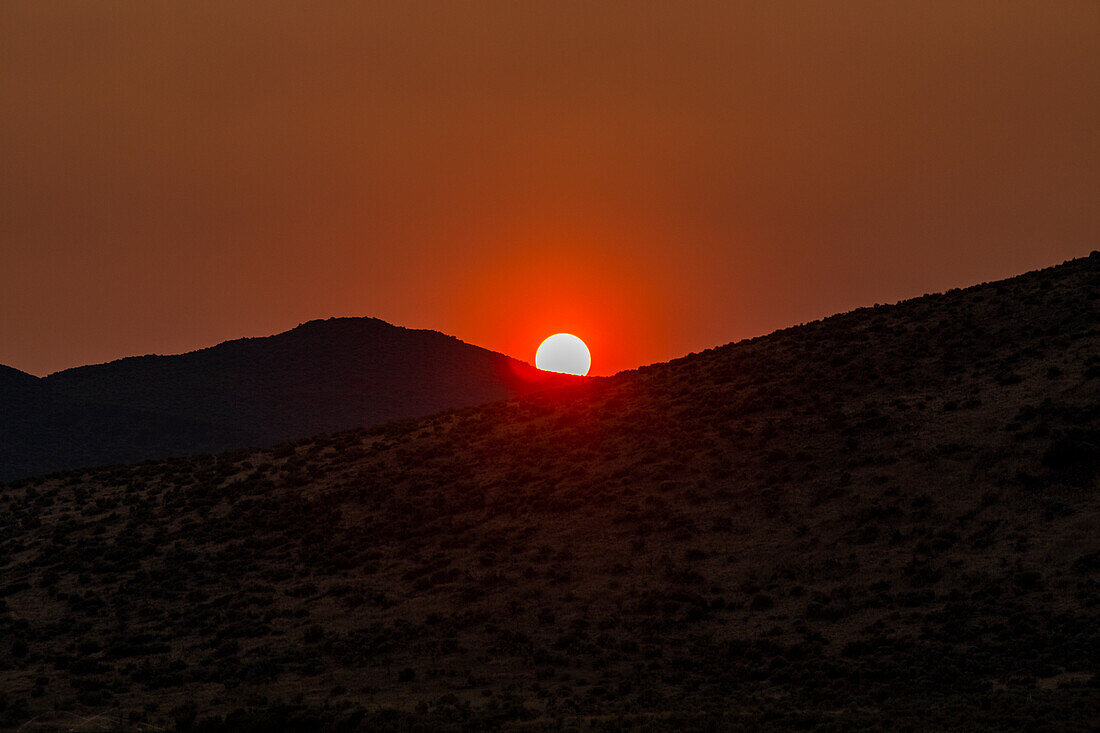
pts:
[657, 178]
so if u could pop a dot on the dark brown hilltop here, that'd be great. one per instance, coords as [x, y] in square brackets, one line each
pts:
[322, 376]
[888, 519]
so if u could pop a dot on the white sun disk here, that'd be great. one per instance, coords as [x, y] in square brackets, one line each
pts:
[563, 352]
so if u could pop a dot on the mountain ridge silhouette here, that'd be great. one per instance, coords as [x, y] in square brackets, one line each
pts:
[321, 376]
[885, 519]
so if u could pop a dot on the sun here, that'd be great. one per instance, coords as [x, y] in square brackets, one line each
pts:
[564, 352]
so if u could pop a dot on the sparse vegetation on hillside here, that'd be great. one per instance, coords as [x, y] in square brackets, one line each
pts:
[887, 519]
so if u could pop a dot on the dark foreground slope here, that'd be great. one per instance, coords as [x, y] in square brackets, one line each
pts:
[888, 519]
[319, 377]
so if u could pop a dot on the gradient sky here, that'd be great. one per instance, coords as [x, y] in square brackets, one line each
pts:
[657, 178]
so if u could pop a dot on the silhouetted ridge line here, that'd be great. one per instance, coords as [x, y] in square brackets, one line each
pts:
[884, 519]
[321, 376]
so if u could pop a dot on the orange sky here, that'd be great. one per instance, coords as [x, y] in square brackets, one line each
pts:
[657, 178]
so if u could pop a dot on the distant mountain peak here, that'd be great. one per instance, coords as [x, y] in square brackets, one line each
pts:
[320, 376]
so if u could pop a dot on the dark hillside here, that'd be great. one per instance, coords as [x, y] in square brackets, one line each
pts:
[889, 519]
[13, 381]
[322, 376]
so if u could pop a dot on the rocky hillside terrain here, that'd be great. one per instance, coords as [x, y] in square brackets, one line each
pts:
[888, 519]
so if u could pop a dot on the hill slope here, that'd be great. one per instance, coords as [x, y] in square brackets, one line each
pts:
[14, 382]
[319, 377]
[888, 518]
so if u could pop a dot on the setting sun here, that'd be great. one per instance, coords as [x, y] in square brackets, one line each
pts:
[563, 352]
